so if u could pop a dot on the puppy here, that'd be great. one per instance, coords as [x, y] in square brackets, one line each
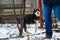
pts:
[31, 19]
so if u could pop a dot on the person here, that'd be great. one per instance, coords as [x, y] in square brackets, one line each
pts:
[48, 6]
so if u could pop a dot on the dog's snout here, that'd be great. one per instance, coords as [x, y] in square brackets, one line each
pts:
[37, 12]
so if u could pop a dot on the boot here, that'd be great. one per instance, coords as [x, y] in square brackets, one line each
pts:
[48, 36]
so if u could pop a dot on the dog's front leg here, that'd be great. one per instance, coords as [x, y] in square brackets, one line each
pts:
[36, 25]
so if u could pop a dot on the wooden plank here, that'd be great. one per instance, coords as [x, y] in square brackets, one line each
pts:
[10, 6]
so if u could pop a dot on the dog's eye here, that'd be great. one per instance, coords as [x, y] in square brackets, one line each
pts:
[37, 12]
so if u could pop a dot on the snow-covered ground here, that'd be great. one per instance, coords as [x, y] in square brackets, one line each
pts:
[10, 32]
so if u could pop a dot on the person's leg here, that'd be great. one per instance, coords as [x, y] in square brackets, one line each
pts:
[48, 21]
[57, 11]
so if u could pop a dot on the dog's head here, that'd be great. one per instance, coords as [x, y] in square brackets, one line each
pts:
[36, 12]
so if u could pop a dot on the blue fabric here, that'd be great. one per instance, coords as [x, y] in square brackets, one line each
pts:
[47, 16]
[46, 2]
[57, 11]
[55, 2]
[47, 19]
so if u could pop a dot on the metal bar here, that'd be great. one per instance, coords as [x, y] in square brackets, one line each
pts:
[15, 14]
[21, 29]
[1, 19]
[22, 17]
[41, 12]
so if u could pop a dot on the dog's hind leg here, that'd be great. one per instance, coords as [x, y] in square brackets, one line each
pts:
[25, 29]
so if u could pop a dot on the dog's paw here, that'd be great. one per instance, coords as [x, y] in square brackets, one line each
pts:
[28, 32]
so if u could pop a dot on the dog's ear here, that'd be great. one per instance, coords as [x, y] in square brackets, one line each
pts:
[37, 9]
[34, 11]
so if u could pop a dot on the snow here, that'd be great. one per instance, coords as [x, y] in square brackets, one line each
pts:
[9, 31]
